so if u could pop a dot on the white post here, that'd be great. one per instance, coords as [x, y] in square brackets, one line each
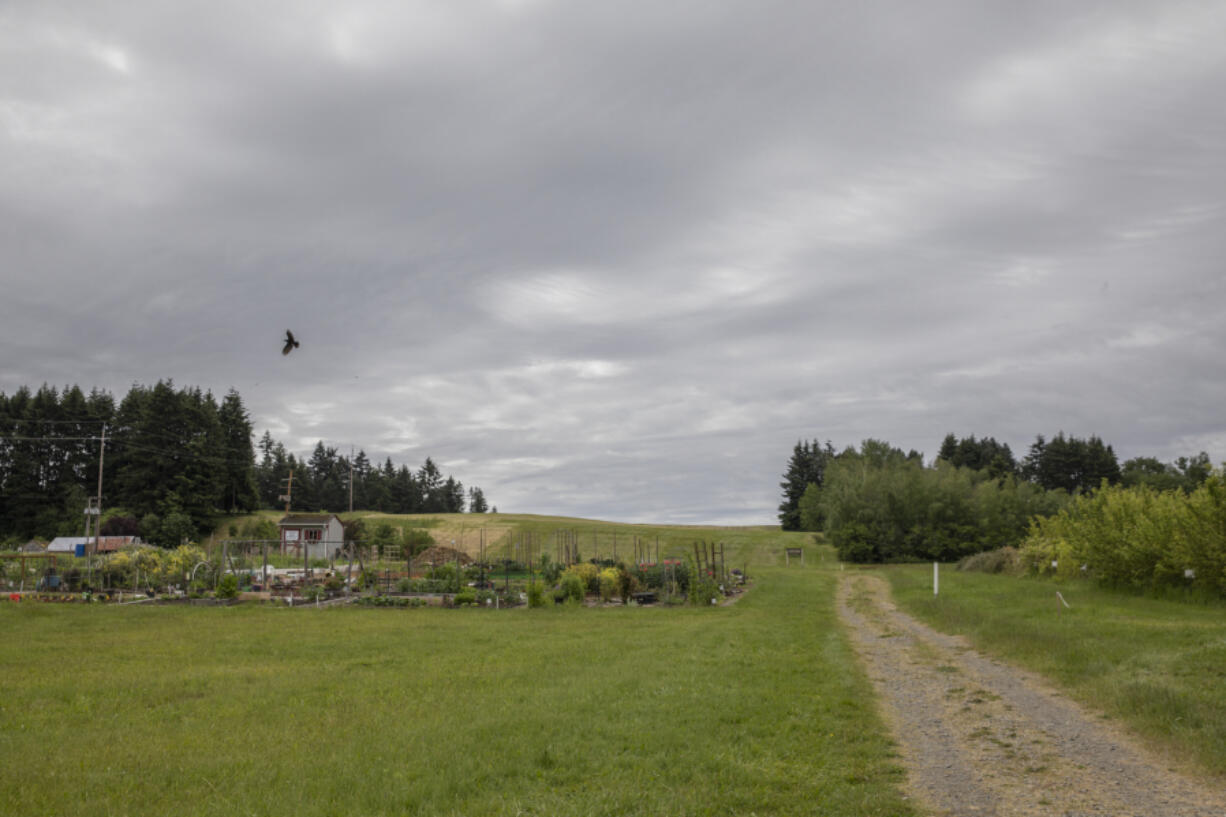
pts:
[936, 578]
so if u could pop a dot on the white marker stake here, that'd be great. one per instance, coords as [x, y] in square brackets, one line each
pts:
[936, 579]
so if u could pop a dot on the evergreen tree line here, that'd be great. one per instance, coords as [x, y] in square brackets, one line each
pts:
[1074, 465]
[878, 504]
[175, 459]
[322, 482]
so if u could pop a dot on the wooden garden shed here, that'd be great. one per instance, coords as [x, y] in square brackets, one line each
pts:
[322, 534]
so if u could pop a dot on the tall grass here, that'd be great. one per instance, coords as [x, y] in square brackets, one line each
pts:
[753, 708]
[1158, 666]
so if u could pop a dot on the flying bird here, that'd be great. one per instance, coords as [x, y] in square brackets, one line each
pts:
[290, 343]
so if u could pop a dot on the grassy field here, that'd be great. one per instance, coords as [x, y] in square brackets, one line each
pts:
[752, 708]
[1159, 667]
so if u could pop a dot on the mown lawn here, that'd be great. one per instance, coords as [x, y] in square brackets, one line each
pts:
[756, 708]
[1157, 666]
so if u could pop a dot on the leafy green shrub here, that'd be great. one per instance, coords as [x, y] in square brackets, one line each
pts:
[261, 528]
[404, 586]
[536, 594]
[572, 587]
[881, 505]
[313, 592]
[1137, 537]
[447, 577]
[417, 540]
[550, 570]
[227, 588]
[383, 535]
[854, 542]
[704, 590]
[467, 597]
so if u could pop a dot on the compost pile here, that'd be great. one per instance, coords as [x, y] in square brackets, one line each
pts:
[439, 555]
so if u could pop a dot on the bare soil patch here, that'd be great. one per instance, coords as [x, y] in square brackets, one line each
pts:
[979, 737]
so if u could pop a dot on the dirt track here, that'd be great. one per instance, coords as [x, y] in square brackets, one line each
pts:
[981, 738]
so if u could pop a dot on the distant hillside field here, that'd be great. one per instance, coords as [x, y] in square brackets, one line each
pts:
[505, 534]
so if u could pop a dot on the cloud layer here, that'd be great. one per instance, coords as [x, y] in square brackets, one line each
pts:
[615, 260]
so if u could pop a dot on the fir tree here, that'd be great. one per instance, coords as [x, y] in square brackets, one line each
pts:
[239, 489]
[807, 466]
[476, 501]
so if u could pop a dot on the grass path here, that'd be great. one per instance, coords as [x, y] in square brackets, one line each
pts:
[757, 708]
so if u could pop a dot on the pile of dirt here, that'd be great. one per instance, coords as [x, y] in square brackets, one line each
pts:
[440, 555]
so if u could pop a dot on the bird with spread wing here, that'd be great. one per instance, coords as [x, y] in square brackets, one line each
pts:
[290, 343]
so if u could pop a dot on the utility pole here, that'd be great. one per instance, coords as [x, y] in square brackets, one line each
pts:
[289, 491]
[101, 455]
[91, 509]
[351, 479]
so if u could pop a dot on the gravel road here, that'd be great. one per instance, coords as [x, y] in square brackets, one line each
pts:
[981, 738]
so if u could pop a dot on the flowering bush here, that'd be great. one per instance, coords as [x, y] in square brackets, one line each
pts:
[588, 573]
[610, 583]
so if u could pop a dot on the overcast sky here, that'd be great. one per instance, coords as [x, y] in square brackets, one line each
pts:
[614, 259]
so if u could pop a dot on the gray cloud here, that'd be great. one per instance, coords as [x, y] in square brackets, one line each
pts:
[614, 261]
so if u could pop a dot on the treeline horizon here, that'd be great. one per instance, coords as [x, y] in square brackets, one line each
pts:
[175, 460]
[879, 504]
[322, 482]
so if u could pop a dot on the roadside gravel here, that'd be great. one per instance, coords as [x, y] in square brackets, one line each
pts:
[981, 738]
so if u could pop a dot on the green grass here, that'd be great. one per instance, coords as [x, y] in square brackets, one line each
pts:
[752, 708]
[1157, 666]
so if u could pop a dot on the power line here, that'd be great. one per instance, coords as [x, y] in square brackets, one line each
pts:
[177, 451]
[47, 439]
[7, 420]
